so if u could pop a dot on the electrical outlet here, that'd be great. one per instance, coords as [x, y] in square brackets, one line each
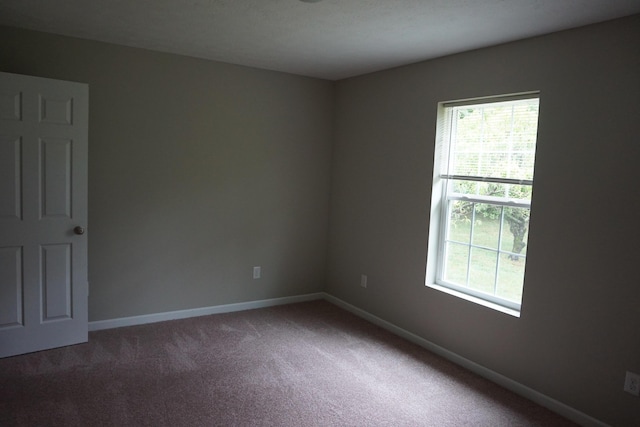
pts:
[363, 281]
[632, 383]
[256, 272]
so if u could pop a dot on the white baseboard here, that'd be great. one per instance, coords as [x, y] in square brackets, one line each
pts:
[203, 311]
[520, 389]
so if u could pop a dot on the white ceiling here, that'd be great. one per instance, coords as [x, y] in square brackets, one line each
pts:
[330, 39]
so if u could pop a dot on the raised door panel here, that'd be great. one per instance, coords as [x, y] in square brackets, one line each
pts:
[11, 105]
[55, 173]
[10, 177]
[56, 110]
[11, 287]
[55, 285]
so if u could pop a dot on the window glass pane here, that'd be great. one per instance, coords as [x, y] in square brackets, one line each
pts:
[465, 187]
[482, 270]
[521, 165]
[486, 228]
[494, 139]
[467, 163]
[525, 129]
[519, 192]
[510, 278]
[492, 189]
[524, 143]
[515, 231]
[497, 125]
[469, 134]
[495, 165]
[456, 262]
[459, 221]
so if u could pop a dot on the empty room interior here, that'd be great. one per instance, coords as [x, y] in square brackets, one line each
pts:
[283, 155]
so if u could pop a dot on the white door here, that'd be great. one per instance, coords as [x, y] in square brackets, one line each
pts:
[43, 213]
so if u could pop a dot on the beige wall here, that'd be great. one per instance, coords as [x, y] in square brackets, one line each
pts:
[198, 171]
[579, 330]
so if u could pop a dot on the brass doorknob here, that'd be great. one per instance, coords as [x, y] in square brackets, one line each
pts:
[78, 230]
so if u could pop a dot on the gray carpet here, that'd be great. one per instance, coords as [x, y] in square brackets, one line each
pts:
[308, 364]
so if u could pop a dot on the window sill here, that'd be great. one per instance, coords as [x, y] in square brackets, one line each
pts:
[488, 304]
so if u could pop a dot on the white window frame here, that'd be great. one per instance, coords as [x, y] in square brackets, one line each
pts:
[439, 206]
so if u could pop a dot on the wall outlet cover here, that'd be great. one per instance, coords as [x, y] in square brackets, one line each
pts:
[632, 383]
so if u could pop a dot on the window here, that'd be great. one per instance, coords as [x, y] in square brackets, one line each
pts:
[483, 181]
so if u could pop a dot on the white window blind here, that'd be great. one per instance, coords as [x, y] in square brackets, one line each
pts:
[496, 141]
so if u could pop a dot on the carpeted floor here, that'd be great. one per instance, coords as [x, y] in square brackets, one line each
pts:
[308, 364]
